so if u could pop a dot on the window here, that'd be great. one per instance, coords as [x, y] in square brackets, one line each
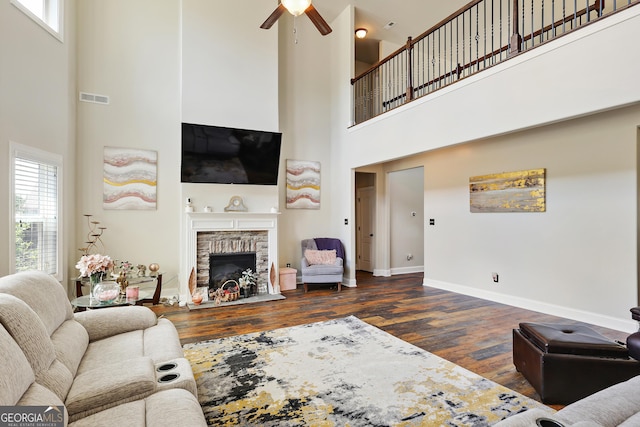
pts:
[36, 199]
[47, 13]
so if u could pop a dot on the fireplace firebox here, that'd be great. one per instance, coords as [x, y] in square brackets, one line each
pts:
[229, 266]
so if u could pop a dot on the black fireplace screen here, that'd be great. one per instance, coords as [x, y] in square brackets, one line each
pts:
[223, 267]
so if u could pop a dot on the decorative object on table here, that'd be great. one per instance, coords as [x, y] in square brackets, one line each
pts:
[250, 281]
[193, 284]
[130, 178]
[229, 291]
[521, 191]
[197, 296]
[272, 277]
[133, 292]
[208, 209]
[334, 371]
[93, 236]
[153, 269]
[142, 270]
[236, 204]
[303, 184]
[107, 291]
[188, 207]
[122, 282]
[94, 266]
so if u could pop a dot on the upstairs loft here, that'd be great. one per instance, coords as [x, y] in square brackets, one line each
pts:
[472, 39]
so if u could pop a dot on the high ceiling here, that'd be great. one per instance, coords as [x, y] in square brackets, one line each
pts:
[410, 18]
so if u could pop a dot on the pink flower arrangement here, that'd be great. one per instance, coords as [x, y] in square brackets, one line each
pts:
[94, 263]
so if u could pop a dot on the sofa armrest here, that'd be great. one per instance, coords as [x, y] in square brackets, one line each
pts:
[106, 322]
[304, 263]
[526, 419]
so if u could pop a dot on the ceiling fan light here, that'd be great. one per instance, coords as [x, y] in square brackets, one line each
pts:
[296, 7]
[361, 33]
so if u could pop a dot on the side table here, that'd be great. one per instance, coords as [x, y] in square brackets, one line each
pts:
[85, 301]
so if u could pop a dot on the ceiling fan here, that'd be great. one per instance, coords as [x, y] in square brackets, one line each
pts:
[296, 8]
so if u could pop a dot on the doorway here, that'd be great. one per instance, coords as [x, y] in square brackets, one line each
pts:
[365, 221]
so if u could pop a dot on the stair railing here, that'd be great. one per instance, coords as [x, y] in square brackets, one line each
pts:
[474, 38]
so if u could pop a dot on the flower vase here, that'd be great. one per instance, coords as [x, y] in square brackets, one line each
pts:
[94, 280]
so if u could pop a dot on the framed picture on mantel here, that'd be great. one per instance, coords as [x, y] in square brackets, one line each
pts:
[303, 184]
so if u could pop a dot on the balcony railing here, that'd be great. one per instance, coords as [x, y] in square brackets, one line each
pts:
[478, 36]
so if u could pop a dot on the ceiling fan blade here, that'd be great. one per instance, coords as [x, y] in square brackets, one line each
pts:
[318, 20]
[273, 17]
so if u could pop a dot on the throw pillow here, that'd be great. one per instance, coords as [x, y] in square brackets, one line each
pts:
[315, 257]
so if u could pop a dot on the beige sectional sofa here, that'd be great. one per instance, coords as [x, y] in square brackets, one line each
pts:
[618, 405]
[114, 366]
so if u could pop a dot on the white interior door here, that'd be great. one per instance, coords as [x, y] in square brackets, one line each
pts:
[365, 232]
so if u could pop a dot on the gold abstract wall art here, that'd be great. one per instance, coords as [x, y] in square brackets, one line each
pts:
[521, 191]
[303, 184]
[130, 178]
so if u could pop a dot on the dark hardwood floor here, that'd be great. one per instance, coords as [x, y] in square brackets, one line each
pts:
[471, 332]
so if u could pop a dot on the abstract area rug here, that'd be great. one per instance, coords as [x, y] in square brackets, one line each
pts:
[342, 372]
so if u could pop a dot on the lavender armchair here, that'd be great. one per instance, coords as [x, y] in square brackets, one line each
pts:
[322, 273]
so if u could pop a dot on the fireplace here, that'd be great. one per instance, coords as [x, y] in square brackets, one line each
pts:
[228, 233]
[223, 267]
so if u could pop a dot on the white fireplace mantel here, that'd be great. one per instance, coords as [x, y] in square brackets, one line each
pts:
[226, 221]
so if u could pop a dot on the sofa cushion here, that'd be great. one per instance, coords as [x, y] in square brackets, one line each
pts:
[609, 407]
[322, 270]
[16, 375]
[119, 347]
[27, 330]
[39, 395]
[151, 412]
[111, 384]
[317, 257]
[70, 342]
[32, 287]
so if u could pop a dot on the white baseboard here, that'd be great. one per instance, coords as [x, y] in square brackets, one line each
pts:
[618, 324]
[407, 270]
[381, 273]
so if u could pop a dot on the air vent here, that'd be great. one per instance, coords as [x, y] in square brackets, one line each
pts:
[389, 25]
[95, 98]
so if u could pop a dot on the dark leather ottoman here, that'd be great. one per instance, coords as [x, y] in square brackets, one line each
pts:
[565, 363]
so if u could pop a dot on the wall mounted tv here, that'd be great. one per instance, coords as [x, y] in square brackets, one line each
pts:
[220, 155]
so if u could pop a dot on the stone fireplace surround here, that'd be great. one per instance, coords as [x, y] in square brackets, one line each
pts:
[237, 229]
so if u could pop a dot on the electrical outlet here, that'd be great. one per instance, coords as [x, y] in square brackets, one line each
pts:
[494, 276]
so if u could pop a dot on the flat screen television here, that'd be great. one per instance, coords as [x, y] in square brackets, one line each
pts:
[221, 155]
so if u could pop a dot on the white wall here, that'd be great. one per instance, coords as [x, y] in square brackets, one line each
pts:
[37, 107]
[577, 259]
[130, 51]
[305, 119]
[406, 228]
[229, 78]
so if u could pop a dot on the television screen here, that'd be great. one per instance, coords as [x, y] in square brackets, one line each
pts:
[220, 155]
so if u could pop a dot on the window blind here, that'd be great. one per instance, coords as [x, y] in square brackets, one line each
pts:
[36, 215]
